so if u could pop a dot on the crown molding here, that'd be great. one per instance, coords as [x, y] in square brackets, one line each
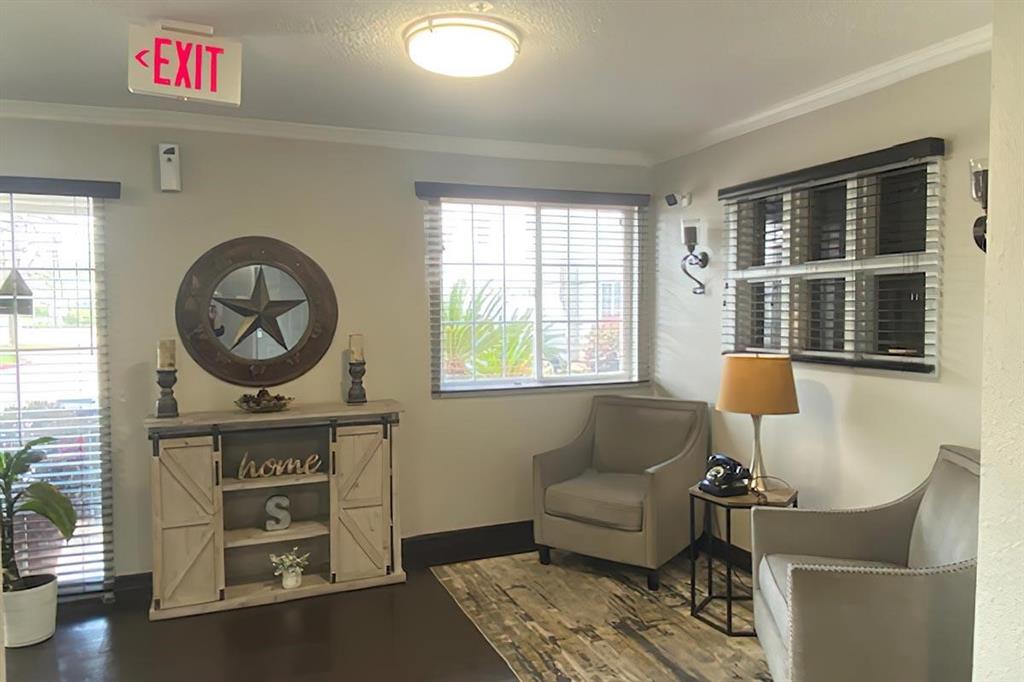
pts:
[957, 48]
[181, 120]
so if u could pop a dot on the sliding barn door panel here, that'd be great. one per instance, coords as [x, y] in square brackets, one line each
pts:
[188, 527]
[361, 500]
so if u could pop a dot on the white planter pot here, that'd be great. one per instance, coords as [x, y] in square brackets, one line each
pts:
[291, 579]
[30, 616]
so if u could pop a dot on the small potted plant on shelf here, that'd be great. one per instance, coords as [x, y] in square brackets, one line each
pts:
[30, 601]
[289, 566]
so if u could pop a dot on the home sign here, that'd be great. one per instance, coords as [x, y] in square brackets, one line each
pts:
[184, 61]
[285, 466]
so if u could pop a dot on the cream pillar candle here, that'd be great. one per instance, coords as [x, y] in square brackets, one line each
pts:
[355, 348]
[165, 354]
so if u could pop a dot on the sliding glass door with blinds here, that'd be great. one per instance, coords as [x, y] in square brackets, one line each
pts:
[840, 263]
[53, 377]
[530, 293]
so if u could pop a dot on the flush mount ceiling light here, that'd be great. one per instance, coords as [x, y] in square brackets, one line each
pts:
[464, 46]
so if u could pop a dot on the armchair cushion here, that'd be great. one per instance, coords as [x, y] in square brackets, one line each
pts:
[774, 574]
[609, 500]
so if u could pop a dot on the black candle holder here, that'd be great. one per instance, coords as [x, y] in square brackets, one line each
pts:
[356, 392]
[167, 404]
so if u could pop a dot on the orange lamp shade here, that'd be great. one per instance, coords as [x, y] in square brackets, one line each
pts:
[757, 384]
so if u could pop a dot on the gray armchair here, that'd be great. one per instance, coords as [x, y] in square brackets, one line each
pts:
[619, 491]
[885, 593]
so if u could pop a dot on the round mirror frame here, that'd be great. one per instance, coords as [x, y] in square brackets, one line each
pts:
[196, 292]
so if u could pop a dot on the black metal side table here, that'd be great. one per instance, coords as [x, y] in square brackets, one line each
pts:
[782, 497]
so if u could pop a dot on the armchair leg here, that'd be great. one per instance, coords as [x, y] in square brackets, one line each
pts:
[653, 580]
[545, 554]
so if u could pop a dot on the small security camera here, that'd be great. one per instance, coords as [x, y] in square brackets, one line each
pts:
[675, 199]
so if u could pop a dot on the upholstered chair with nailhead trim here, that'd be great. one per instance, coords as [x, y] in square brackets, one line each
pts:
[885, 593]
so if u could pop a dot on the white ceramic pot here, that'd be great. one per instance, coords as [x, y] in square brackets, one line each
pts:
[30, 615]
[291, 578]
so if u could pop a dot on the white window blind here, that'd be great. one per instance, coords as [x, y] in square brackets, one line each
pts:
[53, 378]
[840, 264]
[530, 294]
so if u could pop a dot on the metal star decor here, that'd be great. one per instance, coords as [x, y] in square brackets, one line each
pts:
[259, 312]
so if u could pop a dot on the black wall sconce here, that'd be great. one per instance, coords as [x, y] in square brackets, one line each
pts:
[979, 192]
[699, 260]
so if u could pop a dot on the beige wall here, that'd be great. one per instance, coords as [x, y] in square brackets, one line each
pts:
[862, 437]
[465, 462]
[999, 619]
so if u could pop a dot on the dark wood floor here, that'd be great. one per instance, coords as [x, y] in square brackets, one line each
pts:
[413, 632]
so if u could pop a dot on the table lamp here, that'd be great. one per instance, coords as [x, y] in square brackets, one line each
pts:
[757, 385]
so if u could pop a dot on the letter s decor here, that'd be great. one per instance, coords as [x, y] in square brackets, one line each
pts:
[277, 510]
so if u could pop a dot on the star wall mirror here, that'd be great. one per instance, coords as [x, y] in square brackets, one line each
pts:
[256, 311]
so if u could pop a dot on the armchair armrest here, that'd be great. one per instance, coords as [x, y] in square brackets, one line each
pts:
[553, 467]
[866, 623]
[873, 534]
[667, 506]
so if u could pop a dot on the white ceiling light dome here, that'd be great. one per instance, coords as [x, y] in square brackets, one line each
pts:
[460, 45]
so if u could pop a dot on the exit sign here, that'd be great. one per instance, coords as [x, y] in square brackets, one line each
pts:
[188, 64]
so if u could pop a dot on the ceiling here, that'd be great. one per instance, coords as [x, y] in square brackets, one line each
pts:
[648, 77]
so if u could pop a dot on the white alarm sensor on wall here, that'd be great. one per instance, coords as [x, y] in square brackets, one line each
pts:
[169, 156]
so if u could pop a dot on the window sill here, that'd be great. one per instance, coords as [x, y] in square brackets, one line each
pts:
[529, 390]
[866, 363]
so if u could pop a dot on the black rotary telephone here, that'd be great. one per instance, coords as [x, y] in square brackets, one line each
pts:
[725, 477]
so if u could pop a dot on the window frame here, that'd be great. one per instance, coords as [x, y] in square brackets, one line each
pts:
[634, 266]
[95, 575]
[863, 261]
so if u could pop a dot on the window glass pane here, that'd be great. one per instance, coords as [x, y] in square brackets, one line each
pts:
[556, 349]
[488, 234]
[902, 210]
[582, 348]
[556, 294]
[828, 221]
[613, 237]
[489, 293]
[609, 293]
[760, 225]
[520, 293]
[488, 350]
[520, 235]
[610, 347]
[457, 351]
[583, 236]
[457, 233]
[519, 345]
[582, 290]
[827, 307]
[900, 304]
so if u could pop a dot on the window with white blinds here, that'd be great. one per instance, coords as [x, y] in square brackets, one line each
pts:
[53, 377]
[840, 263]
[530, 294]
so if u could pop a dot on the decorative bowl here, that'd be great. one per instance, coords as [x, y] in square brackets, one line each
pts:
[263, 401]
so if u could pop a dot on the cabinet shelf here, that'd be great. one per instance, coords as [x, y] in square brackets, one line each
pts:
[265, 590]
[299, 530]
[232, 484]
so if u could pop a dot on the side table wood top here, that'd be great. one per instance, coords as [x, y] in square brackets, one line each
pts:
[779, 497]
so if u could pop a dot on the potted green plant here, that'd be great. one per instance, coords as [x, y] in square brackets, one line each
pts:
[30, 601]
[290, 566]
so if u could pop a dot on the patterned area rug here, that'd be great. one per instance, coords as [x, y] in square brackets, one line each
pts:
[583, 619]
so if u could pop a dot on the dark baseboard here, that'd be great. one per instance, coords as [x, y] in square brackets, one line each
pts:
[467, 544]
[133, 582]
